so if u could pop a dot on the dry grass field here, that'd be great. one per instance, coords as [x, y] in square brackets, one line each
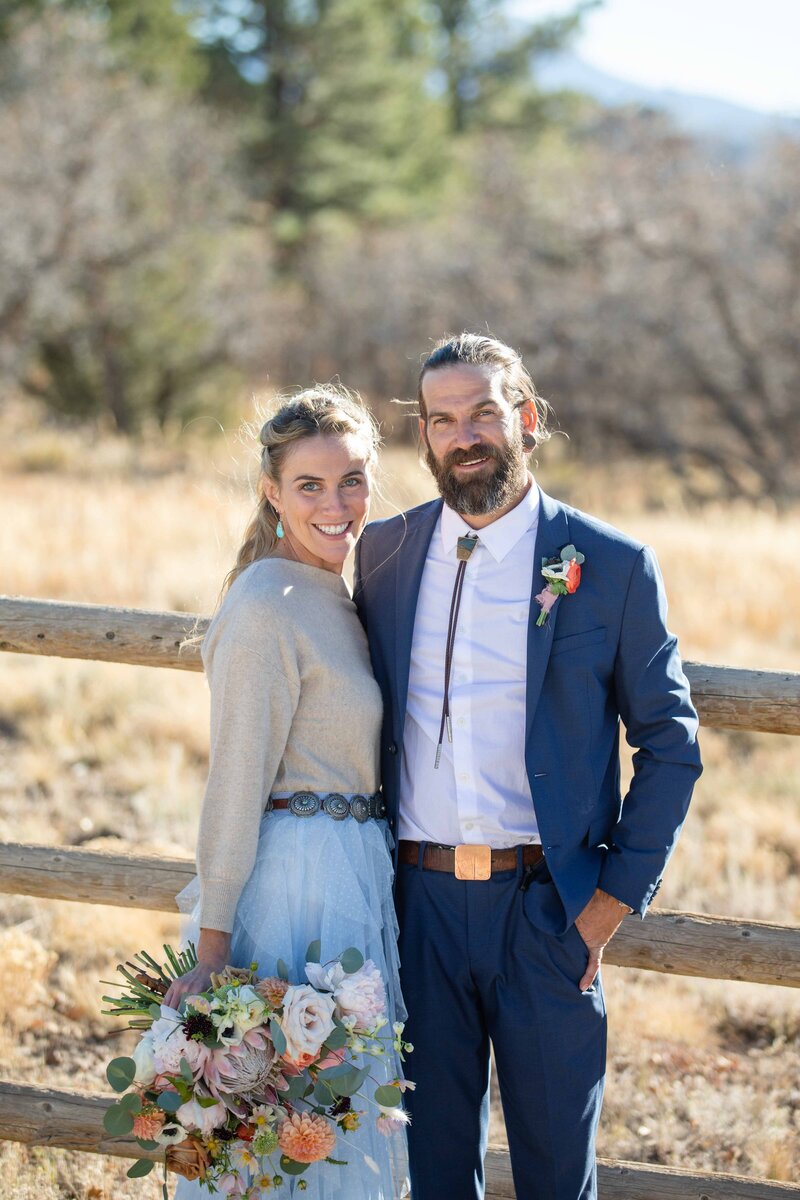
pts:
[702, 1074]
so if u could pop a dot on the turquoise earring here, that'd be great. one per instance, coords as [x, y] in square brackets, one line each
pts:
[279, 528]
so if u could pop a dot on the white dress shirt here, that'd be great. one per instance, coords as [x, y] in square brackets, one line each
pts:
[480, 791]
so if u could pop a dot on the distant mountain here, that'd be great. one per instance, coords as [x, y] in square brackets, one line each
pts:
[736, 126]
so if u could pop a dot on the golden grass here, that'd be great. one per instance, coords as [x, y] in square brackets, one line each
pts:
[701, 1073]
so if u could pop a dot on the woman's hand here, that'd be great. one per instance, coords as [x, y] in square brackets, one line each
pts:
[213, 953]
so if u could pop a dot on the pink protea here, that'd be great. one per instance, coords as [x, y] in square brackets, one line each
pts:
[272, 989]
[307, 1137]
[246, 1068]
[148, 1122]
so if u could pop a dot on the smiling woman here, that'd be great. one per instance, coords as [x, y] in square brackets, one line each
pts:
[322, 499]
[318, 452]
[293, 846]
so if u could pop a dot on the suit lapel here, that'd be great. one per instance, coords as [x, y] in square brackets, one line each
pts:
[409, 565]
[551, 536]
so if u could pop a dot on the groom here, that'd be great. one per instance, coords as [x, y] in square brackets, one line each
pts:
[517, 858]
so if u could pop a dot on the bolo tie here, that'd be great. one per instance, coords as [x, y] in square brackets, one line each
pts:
[464, 548]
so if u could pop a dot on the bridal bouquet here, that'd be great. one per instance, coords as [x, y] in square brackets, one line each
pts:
[254, 1078]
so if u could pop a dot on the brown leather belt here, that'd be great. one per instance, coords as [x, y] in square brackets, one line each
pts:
[468, 861]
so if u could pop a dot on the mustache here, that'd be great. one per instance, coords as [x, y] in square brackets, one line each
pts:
[457, 458]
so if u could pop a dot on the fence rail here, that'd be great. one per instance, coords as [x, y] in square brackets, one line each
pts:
[671, 942]
[726, 697]
[42, 1117]
[675, 943]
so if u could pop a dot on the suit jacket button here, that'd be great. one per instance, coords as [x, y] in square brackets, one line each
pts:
[393, 747]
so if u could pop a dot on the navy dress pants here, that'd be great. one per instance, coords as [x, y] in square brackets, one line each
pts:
[475, 970]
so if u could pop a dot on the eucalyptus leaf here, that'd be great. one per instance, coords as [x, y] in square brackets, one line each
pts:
[117, 1121]
[290, 1167]
[283, 970]
[169, 1102]
[295, 1087]
[120, 1073]
[147, 1145]
[186, 1071]
[568, 553]
[388, 1096]
[154, 1010]
[142, 1167]
[278, 1036]
[337, 1039]
[349, 1083]
[314, 951]
[132, 1102]
[352, 960]
[323, 1093]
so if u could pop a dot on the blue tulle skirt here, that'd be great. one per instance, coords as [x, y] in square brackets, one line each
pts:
[319, 878]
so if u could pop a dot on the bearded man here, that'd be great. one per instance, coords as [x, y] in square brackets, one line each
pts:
[510, 635]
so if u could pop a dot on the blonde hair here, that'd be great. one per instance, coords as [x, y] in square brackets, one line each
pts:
[323, 409]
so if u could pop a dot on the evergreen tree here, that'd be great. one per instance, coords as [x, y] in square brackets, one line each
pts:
[487, 62]
[346, 122]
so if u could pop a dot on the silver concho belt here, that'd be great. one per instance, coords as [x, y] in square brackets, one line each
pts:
[337, 806]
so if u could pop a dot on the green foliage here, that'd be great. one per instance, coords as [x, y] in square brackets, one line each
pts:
[120, 1073]
[352, 960]
[142, 1167]
[152, 37]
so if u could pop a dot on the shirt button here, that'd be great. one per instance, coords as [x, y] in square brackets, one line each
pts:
[392, 747]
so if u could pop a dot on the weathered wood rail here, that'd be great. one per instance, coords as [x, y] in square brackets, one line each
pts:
[41, 1117]
[672, 942]
[726, 697]
[675, 943]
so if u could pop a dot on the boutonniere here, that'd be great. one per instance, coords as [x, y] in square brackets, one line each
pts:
[563, 575]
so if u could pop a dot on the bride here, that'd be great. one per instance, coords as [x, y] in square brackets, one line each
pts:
[293, 845]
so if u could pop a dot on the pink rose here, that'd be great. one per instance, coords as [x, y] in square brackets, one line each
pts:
[306, 1022]
[363, 996]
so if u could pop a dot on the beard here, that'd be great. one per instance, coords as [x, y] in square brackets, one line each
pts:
[498, 483]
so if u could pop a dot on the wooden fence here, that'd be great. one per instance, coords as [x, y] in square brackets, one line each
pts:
[671, 942]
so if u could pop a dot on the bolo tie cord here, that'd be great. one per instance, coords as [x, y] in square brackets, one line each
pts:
[465, 547]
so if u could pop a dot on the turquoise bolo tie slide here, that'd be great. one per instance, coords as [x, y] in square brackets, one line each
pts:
[465, 547]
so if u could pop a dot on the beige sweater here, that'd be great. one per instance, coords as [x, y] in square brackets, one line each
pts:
[294, 706]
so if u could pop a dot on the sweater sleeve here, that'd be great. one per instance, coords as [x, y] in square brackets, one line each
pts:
[255, 688]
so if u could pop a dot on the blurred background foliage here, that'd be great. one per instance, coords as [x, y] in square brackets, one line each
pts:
[204, 197]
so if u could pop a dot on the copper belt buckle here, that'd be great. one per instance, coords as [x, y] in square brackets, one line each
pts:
[473, 862]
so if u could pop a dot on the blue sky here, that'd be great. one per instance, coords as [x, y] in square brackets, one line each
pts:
[747, 51]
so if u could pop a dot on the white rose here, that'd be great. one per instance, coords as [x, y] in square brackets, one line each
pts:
[192, 1115]
[145, 1062]
[324, 978]
[307, 1021]
[363, 996]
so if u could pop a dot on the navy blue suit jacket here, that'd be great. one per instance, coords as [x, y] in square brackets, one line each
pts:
[604, 655]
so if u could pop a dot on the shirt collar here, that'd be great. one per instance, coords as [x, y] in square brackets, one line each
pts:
[502, 535]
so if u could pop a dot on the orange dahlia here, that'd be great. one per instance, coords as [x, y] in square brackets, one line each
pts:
[306, 1137]
[272, 990]
[148, 1122]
